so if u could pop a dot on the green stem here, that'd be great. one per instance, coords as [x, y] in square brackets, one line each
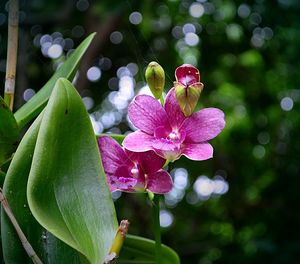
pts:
[118, 242]
[157, 227]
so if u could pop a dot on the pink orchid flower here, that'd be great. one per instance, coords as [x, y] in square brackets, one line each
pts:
[168, 132]
[131, 172]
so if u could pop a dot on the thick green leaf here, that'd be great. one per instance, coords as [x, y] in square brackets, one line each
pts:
[48, 248]
[142, 250]
[67, 190]
[9, 132]
[35, 105]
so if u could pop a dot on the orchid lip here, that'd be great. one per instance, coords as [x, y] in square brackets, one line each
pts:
[173, 136]
[176, 136]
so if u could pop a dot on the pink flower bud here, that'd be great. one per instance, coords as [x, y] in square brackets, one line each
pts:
[187, 88]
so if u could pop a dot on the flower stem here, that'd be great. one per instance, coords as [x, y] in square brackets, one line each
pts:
[157, 234]
[12, 47]
[118, 242]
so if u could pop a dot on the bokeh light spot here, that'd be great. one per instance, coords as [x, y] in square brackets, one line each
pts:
[55, 51]
[287, 104]
[191, 39]
[116, 37]
[196, 10]
[165, 218]
[243, 11]
[259, 152]
[82, 5]
[28, 93]
[135, 18]
[93, 74]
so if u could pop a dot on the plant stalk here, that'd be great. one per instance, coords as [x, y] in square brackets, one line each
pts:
[28, 248]
[157, 234]
[12, 48]
[117, 243]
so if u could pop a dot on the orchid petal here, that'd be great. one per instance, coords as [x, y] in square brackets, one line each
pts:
[112, 155]
[167, 149]
[138, 141]
[146, 113]
[203, 125]
[187, 74]
[176, 117]
[198, 151]
[159, 182]
[161, 132]
[111, 182]
[148, 161]
[125, 180]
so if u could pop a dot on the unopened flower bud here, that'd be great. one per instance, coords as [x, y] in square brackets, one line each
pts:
[155, 77]
[187, 97]
[187, 88]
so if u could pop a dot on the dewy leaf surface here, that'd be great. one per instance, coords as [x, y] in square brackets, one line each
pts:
[68, 70]
[67, 190]
[48, 248]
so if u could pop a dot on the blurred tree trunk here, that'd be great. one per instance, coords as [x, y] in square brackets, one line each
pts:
[103, 29]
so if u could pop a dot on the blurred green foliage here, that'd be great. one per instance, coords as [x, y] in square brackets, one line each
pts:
[249, 58]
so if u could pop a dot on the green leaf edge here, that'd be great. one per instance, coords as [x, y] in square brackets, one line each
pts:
[146, 247]
[35, 105]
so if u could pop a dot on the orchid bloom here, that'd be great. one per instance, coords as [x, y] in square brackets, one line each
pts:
[131, 172]
[168, 132]
[187, 87]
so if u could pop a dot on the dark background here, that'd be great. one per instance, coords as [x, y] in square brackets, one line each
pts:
[242, 205]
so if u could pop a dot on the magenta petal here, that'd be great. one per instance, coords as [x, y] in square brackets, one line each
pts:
[112, 155]
[161, 132]
[187, 74]
[138, 141]
[159, 182]
[123, 179]
[203, 125]
[176, 117]
[146, 113]
[198, 151]
[111, 183]
[125, 184]
[167, 149]
[149, 161]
